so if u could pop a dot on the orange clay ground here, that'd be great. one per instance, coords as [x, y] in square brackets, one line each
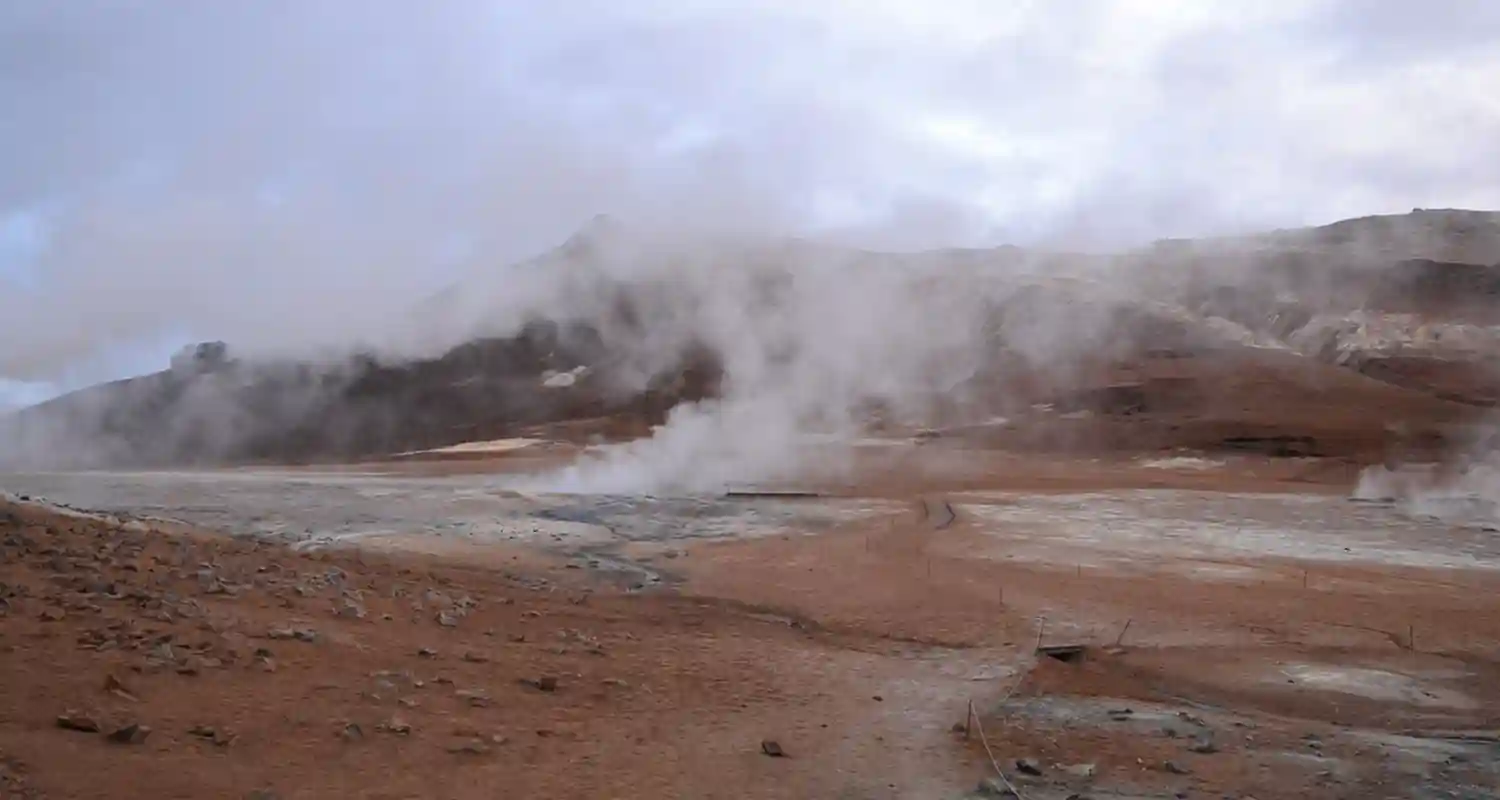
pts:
[141, 661]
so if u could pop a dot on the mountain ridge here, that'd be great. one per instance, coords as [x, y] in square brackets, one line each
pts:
[619, 310]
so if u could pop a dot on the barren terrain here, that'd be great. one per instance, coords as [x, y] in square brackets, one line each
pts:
[1239, 543]
[390, 632]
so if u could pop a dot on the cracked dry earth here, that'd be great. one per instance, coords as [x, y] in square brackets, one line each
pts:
[1238, 645]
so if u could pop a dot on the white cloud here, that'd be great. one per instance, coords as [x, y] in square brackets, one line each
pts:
[158, 132]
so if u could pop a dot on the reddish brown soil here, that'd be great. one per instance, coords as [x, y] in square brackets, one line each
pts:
[655, 696]
[670, 695]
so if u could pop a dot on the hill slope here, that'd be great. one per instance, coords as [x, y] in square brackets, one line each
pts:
[1340, 334]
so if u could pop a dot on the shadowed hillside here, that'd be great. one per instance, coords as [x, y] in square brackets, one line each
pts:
[1325, 338]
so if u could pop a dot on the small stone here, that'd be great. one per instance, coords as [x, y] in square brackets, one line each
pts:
[427, 652]
[117, 687]
[447, 619]
[1204, 745]
[474, 699]
[77, 721]
[396, 725]
[212, 734]
[1028, 766]
[475, 658]
[53, 615]
[1174, 768]
[469, 748]
[262, 794]
[134, 733]
[352, 732]
[771, 748]
[349, 609]
[1082, 770]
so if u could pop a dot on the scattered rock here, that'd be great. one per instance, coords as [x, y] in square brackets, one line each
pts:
[78, 721]
[1028, 766]
[351, 732]
[164, 653]
[134, 733]
[475, 699]
[299, 634]
[349, 609]
[447, 619]
[1204, 745]
[546, 683]
[475, 658]
[212, 734]
[118, 688]
[1174, 768]
[396, 725]
[1082, 770]
[427, 652]
[771, 748]
[472, 747]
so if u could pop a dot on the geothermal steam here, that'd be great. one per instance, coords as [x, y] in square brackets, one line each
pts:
[807, 337]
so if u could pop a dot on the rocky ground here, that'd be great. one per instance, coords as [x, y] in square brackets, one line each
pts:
[892, 654]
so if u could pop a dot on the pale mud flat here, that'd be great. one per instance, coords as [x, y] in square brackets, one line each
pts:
[310, 509]
[1212, 535]
[1121, 528]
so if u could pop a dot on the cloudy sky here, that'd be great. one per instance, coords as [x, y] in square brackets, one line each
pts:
[268, 171]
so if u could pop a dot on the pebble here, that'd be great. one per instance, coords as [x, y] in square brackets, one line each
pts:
[133, 733]
[78, 721]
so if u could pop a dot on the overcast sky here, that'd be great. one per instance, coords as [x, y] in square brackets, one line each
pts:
[246, 169]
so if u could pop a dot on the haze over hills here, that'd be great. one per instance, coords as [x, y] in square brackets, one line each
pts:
[1288, 336]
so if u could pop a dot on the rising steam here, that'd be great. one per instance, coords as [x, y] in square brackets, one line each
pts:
[313, 204]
